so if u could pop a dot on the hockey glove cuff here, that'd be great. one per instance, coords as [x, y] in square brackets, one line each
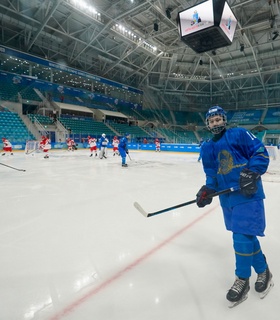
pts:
[248, 182]
[202, 197]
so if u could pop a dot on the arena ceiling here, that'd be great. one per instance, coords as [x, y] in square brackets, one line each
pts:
[118, 41]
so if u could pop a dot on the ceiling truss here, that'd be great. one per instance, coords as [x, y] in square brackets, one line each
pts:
[174, 75]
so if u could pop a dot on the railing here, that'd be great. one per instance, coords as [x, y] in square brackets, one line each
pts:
[40, 127]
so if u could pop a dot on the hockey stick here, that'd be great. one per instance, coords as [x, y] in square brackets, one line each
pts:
[129, 157]
[33, 151]
[150, 214]
[12, 167]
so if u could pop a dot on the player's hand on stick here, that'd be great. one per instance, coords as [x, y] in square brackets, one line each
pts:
[202, 198]
[248, 182]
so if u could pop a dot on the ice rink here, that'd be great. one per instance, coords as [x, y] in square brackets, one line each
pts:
[73, 247]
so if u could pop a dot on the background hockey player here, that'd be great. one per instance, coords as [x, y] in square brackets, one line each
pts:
[157, 143]
[7, 146]
[123, 149]
[236, 158]
[115, 144]
[45, 146]
[92, 146]
[71, 144]
[103, 143]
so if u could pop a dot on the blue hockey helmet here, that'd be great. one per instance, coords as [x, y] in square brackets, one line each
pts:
[216, 111]
[127, 134]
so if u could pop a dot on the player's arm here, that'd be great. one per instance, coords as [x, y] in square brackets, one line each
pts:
[256, 153]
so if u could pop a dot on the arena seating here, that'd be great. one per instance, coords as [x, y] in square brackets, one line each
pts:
[86, 126]
[13, 128]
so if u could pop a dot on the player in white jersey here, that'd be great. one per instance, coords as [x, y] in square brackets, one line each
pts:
[7, 146]
[92, 146]
[45, 146]
[157, 143]
[115, 144]
[71, 144]
[103, 142]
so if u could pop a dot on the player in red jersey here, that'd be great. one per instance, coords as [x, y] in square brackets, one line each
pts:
[115, 144]
[45, 146]
[7, 146]
[92, 146]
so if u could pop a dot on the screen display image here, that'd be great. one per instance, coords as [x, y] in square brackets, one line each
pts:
[228, 22]
[196, 18]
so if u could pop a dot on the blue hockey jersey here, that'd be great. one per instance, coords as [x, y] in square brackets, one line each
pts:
[223, 160]
[123, 143]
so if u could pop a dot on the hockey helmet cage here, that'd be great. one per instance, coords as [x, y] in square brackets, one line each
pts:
[216, 111]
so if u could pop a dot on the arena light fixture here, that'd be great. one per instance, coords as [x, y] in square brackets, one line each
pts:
[86, 8]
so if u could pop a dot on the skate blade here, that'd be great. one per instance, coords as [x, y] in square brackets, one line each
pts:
[269, 287]
[236, 303]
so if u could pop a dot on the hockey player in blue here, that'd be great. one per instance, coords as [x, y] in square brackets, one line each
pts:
[236, 158]
[123, 149]
[103, 142]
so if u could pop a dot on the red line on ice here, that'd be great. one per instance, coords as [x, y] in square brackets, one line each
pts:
[70, 308]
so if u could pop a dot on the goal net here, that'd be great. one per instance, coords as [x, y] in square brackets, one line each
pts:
[272, 151]
[32, 146]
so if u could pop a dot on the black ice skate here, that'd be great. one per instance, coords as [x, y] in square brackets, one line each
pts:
[238, 292]
[264, 283]
[124, 165]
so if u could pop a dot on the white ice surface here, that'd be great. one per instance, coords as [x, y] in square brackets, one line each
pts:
[73, 247]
